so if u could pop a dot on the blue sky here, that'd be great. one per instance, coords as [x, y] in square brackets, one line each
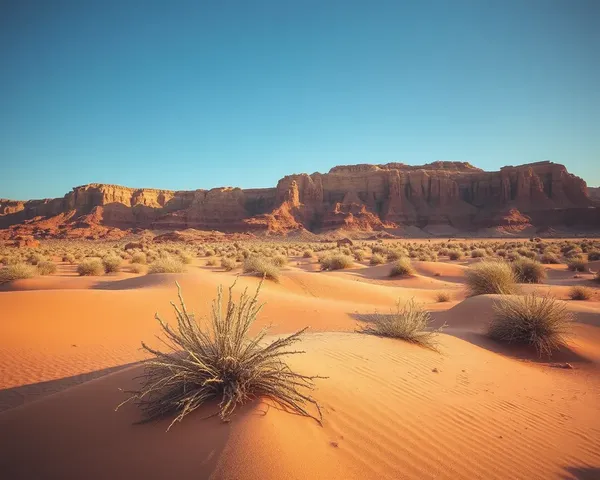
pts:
[199, 94]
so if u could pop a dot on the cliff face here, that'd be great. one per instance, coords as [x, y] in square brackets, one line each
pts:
[362, 197]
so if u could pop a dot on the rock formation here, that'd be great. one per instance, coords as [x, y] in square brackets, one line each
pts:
[357, 197]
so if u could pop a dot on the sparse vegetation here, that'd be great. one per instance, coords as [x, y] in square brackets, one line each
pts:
[442, 297]
[490, 277]
[337, 261]
[376, 259]
[528, 270]
[540, 321]
[402, 268]
[16, 271]
[261, 266]
[228, 264]
[409, 322]
[46, 267]
[221, 362]
[90, 267]
[166, 264]
[579, 292]
[112, 264]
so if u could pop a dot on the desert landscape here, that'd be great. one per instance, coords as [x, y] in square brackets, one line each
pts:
[446, 398]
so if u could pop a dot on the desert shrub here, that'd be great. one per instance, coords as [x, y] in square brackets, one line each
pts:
[139, 258]
[478, 253]
[396, 254]
[136, 268]
[409, 322]
[490, 276]
[579, 292]
[90, 266]
[46, 267]
[455, 254]
[525, 252]
[594, 255]
[359, 255]
[307, 254]
[528, 270]
[68, 258]
[540, 321]
[111, 264]
[185, 258]
[442, 297]
[211, 261]
[549, 258]
[16, 271]
[166, 264]
[512, 256]
[279, 260]
[261, 266]
[500, 252]
[220, 362]
[337, 261]
[376, 259]
[228, 263]
[402, 268]
[209, 253]
[576, 265]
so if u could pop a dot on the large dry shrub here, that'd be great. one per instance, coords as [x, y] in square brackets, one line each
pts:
[376, 259]
[402, 268]
[16, 271]
[166, 264]
[540, 321]
[46, 267]
[337, 261]
[409, 322]
[220, 361]
[528, 270]
[490, 276]
[261, 266]
[90, 266]
[111, 263]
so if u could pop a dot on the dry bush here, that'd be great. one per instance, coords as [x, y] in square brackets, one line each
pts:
[550, 258]
[490, 276]
[359, 255]
[402, 268]
[261, 266]
[68, 258]
[111, 263]
[279, 260]
[220, 362]
[337, 261]
[442, 297]
[576, 265]
[528, 270]
[307, 254]
[16, 271]
[139, 258]
[46, 267]
[166, 264]
[409, 322]
[593, 255]
[376, 259]
[90, 266]
[478, 253]
[211, 261]
[455, 254]
[579, 292]
[185, 258]
[137, 268]
[540, 321]
[228, 264]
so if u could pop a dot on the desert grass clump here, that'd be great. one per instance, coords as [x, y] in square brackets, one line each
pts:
[136, 268]
[409, 322]
[140, 258]
[402, 268]
[478, 253]
[166, 264]
[279, 260]
[90, 267]
[46, 267]
[112, 263]
[211, 261]
[539, 321]
[16, 271]
[549, 258]
[528, 270]
[490, 277]
[455, 254]
[220, 361]
[376, 259]
[185, 258]
[68, 258]
[228, 264]
[579, 292]
[261, 266]
[337, 261]
[307, 254]
[442, 297]
[576, 265]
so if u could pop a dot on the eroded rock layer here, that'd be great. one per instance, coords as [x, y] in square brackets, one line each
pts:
[360, 197]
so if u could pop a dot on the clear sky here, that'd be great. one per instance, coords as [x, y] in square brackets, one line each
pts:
[198, 94]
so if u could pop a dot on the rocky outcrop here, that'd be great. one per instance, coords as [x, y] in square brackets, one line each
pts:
[356, 197]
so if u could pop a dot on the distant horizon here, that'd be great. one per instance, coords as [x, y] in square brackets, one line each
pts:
[243, 187]
[184, 95]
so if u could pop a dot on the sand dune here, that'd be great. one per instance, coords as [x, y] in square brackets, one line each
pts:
[475, 409]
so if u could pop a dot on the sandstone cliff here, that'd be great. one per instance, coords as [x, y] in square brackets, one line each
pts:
[360, 197]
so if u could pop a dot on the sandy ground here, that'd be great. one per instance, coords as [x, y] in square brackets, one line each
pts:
[475, 409]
